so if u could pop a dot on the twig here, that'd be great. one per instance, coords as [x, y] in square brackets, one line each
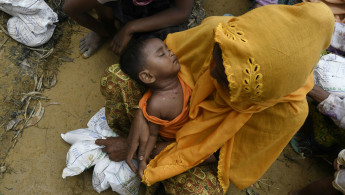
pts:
[8, 151]
[2, 124]
[4, 42]
[267, 184]
[34, 49]
[21, 129]
[3, 30]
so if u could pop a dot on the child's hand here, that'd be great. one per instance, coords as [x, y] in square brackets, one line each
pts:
[142, 167]
[138, 136]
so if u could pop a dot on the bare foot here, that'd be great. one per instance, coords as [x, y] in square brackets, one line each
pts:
[90, 43]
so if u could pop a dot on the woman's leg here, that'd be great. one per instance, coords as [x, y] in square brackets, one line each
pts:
[122, 97]
[201, 179]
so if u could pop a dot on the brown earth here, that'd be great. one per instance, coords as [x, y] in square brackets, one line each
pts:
[35, 164]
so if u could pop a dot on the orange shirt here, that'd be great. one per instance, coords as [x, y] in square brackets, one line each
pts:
[169, 128]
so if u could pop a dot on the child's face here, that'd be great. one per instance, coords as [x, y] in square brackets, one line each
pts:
[217, 70]
[160, 61]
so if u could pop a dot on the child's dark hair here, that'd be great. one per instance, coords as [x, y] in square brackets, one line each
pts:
[132, 60]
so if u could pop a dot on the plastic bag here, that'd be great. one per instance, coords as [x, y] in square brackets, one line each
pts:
[84, 153]
[329, 74]
[32, 23]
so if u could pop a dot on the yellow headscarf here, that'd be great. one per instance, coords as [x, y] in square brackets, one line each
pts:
[269, 54]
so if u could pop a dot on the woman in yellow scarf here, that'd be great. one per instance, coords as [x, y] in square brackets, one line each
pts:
[263, 63]
[268, 56]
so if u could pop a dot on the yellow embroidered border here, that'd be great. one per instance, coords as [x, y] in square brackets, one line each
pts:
[253, 80]
[231, 31]
[230, 77]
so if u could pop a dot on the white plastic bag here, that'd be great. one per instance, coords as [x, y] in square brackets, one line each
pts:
[78, 135]
[123, 180]
[118, 175]
[99, 181]
[338, 37]
[329, 74]
[97, 129]
[32, 23]
[84, 153]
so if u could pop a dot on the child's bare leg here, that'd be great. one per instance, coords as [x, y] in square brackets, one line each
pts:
[320, 187]
[78, 10]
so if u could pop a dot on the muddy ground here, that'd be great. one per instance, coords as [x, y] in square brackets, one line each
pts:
[35, 162]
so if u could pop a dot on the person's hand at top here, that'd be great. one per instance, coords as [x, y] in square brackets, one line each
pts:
[121, 39]
[169, 17]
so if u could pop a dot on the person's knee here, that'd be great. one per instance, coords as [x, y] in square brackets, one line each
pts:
[71, 8]
[68, 7]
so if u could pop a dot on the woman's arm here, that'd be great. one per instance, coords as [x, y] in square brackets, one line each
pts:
[330, 105]
[318, 94]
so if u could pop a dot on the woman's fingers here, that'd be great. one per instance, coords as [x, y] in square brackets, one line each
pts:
[101, 142]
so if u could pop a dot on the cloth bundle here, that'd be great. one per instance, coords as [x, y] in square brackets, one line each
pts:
[84, 153]
[338, 38]
[32, 23]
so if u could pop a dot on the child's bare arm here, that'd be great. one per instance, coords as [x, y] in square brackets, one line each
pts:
[150, 145]
[138, 137]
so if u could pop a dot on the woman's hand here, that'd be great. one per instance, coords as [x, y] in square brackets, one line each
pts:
[121, 39]
[115, 147]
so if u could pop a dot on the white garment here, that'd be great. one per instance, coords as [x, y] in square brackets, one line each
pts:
[334, 107]
[339, 176]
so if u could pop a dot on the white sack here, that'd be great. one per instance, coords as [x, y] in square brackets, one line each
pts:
[82, 155]
[32, 23]
[329, 74]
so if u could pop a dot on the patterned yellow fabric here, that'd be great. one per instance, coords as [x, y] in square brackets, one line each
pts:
[269, 54]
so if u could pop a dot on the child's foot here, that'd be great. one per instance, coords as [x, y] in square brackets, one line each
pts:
[90, 43]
